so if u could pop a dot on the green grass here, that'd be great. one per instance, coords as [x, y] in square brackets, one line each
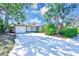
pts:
[6, 45]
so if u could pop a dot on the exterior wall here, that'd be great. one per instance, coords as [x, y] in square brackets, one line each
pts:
[32, 28]
[26, 29]
[41, 29]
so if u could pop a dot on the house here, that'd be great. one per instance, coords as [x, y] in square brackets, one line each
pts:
[30, 28]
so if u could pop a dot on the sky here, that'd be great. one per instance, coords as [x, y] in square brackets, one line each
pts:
[75, 12]
[34, 15]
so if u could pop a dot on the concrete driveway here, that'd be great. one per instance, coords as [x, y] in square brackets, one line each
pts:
[38, 44]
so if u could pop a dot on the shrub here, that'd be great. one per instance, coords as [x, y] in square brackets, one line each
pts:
[49, 29]
[62, 31]
[77, 31]
[70, 32]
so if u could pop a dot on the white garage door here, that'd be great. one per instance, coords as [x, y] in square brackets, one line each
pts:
[20, 29]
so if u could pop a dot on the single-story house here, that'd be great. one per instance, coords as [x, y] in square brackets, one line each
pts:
[28, 28]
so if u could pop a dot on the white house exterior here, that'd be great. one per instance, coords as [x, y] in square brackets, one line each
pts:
[30, 28]
[20, 29]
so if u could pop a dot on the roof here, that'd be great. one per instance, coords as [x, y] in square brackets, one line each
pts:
[26, 25]
[31, 24]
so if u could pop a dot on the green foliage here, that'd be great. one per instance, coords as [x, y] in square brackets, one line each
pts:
[54, 9]
[70, 18]
[58, 9]
[77, 31]
[63, 29]
[14, 10]
[57, 12]
[6, 48]
[49, 29]
[70, 32]
[1, 26]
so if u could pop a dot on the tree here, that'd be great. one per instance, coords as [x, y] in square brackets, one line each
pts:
[58, 12]
[14, 10]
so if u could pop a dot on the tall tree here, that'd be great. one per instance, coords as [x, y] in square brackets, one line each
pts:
[58, 12]
[15, 10]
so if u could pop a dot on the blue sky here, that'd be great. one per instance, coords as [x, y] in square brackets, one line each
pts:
[75, 12]
[33, 15]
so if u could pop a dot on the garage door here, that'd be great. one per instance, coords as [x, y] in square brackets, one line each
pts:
[20, 29]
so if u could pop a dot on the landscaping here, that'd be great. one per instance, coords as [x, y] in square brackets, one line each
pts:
[6, 40]
[6, 43]
[39, 29]
[50, 29]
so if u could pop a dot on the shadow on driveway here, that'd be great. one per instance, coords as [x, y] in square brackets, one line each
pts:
[32, 45]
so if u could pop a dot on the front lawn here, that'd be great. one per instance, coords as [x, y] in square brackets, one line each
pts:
[6, 43]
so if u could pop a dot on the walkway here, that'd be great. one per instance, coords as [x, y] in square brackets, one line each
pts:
[34, 44]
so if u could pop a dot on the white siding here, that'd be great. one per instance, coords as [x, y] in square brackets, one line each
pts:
[20, 29]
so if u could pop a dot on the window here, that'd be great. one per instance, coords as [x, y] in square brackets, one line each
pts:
[31, 28]
[34, 28]
[28, 28]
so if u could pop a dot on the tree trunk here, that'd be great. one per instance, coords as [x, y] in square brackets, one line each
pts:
[6, 23]
[59, 26]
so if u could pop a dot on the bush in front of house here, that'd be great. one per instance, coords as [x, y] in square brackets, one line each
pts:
[62, 30]
[77, 31]
[69, 33]
[49, 29]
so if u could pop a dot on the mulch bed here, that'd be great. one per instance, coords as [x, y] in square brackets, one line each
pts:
[6, 43]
